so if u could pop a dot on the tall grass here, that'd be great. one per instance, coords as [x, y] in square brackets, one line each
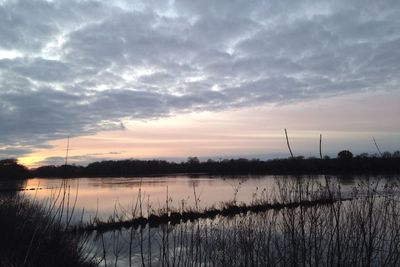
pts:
[33, 234]
[362, 232]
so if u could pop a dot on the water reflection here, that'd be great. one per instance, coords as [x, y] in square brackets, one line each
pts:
[361, 231]
[102, 196]
[216, 242]
[106, 196]
[12, 186]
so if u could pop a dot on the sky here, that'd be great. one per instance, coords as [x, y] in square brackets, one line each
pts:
[213, 79]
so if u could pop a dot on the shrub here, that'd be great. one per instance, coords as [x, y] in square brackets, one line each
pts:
[345, 154]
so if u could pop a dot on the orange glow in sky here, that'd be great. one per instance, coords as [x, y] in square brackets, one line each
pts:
[246, 132]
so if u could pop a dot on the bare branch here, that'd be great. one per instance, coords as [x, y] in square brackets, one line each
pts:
[376, 145]
[287, 141]
[320, 146]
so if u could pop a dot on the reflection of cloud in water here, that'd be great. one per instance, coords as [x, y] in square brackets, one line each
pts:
[105, 193]
[132, 182]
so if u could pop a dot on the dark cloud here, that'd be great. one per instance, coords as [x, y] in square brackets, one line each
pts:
[80, 160]
[38, 69]
[80, 67]
[13, 152]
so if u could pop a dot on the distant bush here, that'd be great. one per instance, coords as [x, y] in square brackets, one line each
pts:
[345, 154]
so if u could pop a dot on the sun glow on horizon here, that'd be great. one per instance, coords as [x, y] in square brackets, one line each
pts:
[243, 132]
[30, 161]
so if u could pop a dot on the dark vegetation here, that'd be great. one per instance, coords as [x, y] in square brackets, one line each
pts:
[344, 163]
[176, 217]
[34, 235]
[37, 234]
[9, 168]
[307, 224]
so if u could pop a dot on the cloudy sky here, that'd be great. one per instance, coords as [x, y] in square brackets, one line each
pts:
[171, 79]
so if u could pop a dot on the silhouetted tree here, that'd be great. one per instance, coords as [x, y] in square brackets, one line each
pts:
[345, 154]
[10, 169]
[193, 160]
[363, 155]
[386, 155]
[5, 162]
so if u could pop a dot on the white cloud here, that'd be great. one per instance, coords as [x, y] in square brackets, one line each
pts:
[79, 67]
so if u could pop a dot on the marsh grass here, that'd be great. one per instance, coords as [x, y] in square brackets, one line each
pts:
[285, 197]
[305, 222]
[37, 234]
[363, 231]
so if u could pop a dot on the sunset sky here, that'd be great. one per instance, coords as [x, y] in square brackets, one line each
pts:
[213, 79]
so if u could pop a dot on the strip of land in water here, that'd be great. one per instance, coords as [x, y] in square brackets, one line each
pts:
[175, 217]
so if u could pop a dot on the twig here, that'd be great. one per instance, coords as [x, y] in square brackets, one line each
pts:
[66, 153]
[195, 197]
[287, 141]
[320, 146]
[376, 145]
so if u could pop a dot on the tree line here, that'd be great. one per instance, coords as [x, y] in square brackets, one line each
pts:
[344, 163]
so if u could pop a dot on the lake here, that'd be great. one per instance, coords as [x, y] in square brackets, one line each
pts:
[258, 239]
[103, 197]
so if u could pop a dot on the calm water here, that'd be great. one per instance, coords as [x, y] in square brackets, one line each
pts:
[105, 196]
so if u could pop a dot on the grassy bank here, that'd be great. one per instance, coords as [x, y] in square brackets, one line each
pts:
[33, 235]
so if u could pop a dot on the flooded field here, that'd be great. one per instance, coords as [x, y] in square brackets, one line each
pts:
[105, 196]
[360, 229]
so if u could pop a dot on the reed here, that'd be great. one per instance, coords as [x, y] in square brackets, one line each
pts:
[306, 222]
[38, 233]
[363, 231]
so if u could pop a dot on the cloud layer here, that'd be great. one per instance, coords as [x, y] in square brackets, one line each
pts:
[80, 67]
